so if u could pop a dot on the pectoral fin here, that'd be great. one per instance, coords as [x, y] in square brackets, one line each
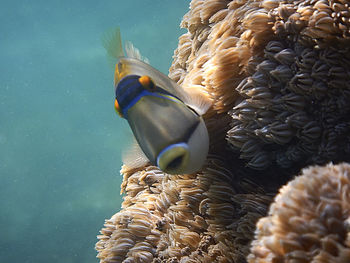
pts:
[133, 156]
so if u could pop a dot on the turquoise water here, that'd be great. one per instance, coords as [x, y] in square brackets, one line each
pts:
[60, 139]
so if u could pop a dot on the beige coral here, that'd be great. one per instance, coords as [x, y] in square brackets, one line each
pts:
[218, 50]
[282, 69]
[309, 220]
[205, 217]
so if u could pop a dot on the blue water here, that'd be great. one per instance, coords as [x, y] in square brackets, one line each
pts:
[60, 139]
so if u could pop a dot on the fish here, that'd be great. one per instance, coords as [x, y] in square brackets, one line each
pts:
[166, 120]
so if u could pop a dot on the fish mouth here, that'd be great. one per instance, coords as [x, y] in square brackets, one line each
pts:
[173, 159]
[175, 163]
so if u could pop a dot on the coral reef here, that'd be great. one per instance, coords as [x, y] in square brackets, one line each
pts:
[195, 218]
[309, 220]
[278, 74]
[281, 69]
[294, 109]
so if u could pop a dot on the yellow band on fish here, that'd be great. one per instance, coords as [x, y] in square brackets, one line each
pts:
[117, 108]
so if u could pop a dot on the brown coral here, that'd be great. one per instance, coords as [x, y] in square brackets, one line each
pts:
[281, 70]
[309, 220]
[294, 109]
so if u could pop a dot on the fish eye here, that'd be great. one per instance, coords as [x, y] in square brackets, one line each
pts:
[147, 83]
[174, 158]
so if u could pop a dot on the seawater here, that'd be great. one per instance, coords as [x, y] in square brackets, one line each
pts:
[60, 139]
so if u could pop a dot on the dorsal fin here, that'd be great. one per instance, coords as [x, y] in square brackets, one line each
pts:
[112, 42]
[133, 52]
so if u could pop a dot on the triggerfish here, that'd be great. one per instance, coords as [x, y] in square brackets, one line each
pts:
[165, 120]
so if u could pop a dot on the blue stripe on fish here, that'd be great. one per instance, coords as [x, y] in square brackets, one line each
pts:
[142, 94]
[129, 91]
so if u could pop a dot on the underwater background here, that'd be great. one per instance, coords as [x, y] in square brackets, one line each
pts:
[60, 138]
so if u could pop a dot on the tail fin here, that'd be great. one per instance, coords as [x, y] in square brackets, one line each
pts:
[112, 42]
